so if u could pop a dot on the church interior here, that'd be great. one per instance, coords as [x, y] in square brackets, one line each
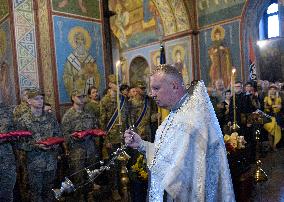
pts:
[103, 51]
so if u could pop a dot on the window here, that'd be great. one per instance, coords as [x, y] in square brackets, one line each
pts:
[269, 24]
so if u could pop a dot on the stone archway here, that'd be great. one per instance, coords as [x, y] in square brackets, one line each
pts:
[139, 70]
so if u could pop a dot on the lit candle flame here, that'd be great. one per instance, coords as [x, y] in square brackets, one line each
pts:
[234, 71]
[117, 63]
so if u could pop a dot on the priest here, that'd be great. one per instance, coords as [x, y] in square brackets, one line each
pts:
[187, 161]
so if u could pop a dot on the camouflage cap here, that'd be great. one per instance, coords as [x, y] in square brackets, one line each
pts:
[111, 78]
[139, 84]
[34, 92]
[77, 93]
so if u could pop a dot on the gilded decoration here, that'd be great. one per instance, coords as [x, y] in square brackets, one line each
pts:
[46, 52]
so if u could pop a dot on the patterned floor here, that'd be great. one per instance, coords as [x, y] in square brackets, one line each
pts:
[273, 189]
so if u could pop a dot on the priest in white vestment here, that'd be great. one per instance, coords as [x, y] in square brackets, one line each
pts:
[187, 161]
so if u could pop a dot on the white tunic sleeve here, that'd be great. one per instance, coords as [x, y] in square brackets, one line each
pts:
[147, 148]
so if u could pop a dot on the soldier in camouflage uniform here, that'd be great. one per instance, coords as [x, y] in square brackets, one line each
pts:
[109, 122]
[82, 152]
[142, 116]
[41, 160]
[140, 111]
[22, 177]
[7, 158]
[93, 106]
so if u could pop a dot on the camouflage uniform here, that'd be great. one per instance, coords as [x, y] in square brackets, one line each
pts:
[7, 158]
[143, 127]
[108, 107]
[41, 164]
[82, 153]
[22, 177]
[20, 110]
[93, 108]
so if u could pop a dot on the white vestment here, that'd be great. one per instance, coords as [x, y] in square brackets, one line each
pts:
[188, 158]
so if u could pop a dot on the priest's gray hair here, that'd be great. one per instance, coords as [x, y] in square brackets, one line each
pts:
[168, 69]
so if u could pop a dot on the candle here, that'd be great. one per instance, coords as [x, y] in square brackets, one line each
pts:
[118, 64]
[235, 126]
[233, 80]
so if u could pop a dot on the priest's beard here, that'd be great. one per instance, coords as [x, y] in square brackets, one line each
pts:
[81, 50]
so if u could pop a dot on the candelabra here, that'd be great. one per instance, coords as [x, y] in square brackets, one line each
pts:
[259, 174]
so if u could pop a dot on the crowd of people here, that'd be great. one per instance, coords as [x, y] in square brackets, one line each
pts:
[262, 97]
[29, 169]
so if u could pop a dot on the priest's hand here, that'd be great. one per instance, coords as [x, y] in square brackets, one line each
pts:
[132, 139]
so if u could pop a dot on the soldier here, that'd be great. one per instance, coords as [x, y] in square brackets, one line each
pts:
[124, 90]
[41, 159]
[21, 188]
[140, 112]
[93, 106]
[109, 122]
[7, 160]
[142, 117]
[82, 152]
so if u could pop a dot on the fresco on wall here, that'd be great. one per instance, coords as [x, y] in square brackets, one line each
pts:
[155, 58]
[270, 60]
[210, 11]
[219, 51]
[139, 71]
[178, 52]
[135, 23]
[7, 80]
[79, 56]
[4, 9]
[87, 8]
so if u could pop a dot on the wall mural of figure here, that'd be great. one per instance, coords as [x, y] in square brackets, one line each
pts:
[139, 70]
[79, 56]
[121, 20]
[178, 58]
[136, 23]
[155, 58]
[221, 66]
[178, 52]
[87, 8]
[80, 69]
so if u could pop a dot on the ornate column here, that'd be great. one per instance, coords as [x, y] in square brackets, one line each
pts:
[25, 37]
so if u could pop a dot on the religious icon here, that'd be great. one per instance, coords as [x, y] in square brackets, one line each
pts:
[155, 58]
[121, 20]
[80, 69]
[221, 67]
[178, 59]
